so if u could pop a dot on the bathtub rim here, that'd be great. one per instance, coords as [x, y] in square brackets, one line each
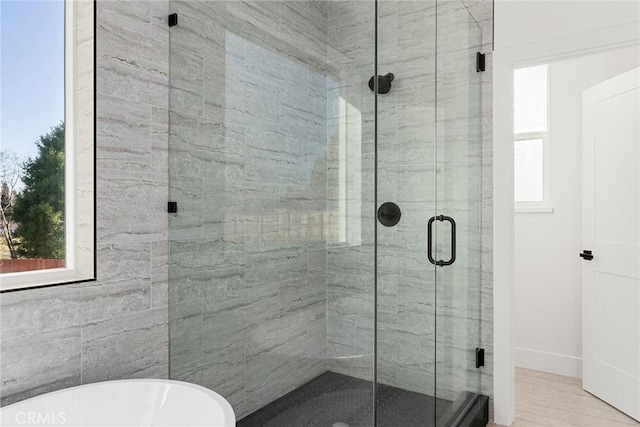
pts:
[226, 406]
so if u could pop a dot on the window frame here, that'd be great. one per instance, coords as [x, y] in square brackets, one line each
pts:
[71, 273]
[545, 205]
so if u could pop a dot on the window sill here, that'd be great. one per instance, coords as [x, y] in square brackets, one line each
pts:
[39, 278]
[532, 209]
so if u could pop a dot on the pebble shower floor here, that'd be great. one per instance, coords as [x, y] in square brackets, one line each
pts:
[333, 399]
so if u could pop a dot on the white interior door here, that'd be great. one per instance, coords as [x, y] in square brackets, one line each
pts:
[611, 230]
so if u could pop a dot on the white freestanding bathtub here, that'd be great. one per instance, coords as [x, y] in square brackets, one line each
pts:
[125, 403]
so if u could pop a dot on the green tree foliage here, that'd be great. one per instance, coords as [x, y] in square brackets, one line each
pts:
[39, 208]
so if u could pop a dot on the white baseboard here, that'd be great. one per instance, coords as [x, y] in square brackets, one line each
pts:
[548, 362]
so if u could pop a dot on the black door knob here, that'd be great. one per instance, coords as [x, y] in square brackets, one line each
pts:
[587, 255]
[389, 214]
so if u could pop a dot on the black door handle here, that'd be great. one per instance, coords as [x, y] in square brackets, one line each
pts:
[430, 240]
[587, 255]
[451, 260]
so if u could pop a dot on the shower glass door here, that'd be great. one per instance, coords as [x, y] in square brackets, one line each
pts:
[428, 164]
[458, 190]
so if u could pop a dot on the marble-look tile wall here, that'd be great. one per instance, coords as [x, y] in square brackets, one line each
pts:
[247, 162]
[350, 280]
[116, 327]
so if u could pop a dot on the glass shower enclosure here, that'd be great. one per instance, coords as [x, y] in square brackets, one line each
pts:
[325, 253]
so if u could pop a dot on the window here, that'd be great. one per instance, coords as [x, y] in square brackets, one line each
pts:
[531, 140]
[344, 216]
[47, 159]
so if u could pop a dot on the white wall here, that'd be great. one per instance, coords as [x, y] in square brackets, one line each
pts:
[526, 31]
[519, 22]
[548, 271]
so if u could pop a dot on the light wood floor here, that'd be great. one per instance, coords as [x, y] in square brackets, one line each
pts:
[555, 401]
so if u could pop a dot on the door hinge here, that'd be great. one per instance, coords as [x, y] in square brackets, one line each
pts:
[173, 19]
[172, 207]
[479, 357]
[480, 62]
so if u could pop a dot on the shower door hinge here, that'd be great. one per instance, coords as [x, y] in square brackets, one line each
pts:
[480, 62]
[173, 20]
[479, 357]
[172, 207]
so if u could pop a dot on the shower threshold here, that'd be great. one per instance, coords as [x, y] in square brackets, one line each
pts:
[338, 400]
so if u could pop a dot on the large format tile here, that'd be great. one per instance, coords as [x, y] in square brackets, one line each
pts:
[186, 335]
[123, 128]
[223, 373]
[132, 59]
[131, 207]
[37, 310]
[159, 273]
[128, 346]
[187, 82]
[39, 363]
[125, 281]
[159, 140]
[275, 266]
